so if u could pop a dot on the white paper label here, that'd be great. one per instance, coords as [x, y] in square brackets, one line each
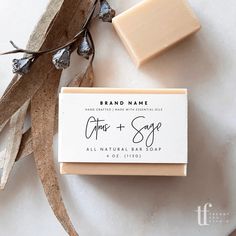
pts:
[123, 128]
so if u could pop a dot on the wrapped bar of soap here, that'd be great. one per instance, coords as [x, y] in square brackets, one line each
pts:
[114, 131]
[152, 26]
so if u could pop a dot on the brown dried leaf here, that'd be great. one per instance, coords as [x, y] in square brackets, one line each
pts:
[17, 120]
[26, 147]
[35, 42]
[14, 79]
[14, 140]
[2, 156]
[37, 37]
[66, 23]
[42, 115]
[3, 125]
[40, 85]
[44, 25]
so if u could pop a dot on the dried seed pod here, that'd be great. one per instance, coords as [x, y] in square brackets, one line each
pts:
[22, 66]
[106, 13]
[61, 59]
[85, 48]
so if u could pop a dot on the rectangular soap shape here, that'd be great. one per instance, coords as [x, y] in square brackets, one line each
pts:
[153, 26]
[158, 133]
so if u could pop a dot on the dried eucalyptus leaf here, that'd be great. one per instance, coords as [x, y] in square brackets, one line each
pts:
[66, 23]
[26, 147]
[3, 126]
[69, 19]
[14, 79]
[14, 139]
[43, 27]
[13, 144]
[38, 36]
[2, 158]
[42, 117]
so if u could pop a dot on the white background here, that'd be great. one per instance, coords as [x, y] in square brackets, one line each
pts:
[140, 206]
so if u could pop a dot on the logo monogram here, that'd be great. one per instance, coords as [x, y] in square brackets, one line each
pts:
[202, 216]
[205, 216]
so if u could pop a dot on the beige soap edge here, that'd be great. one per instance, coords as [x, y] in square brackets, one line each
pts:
[123, 168]
[138, 62]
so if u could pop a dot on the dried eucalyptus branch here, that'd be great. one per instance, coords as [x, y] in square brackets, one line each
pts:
[39, 85]
[61, 57]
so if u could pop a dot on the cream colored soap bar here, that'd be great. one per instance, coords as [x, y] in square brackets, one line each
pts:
[152, 26]
[89, 168]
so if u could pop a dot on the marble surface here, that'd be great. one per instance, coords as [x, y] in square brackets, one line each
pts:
[140, 206]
